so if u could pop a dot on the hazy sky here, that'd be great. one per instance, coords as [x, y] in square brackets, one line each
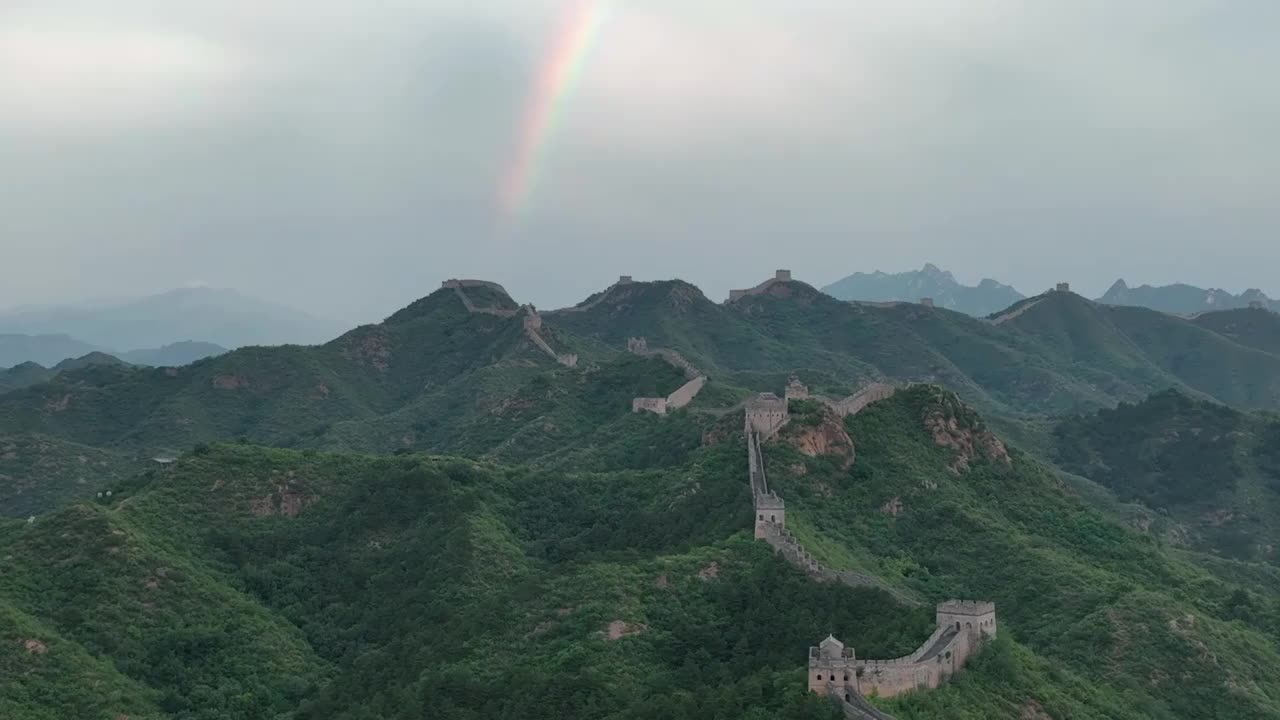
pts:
[346, 155]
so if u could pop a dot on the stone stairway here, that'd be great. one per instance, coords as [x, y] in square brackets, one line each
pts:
[786, 544]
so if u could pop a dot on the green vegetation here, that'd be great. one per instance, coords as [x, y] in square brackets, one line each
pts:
[562, 556]
[1213, 469]
[244, 582]
[1107, 621]
[436, 378]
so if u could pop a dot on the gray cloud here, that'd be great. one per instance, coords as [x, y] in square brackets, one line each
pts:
[346, 156]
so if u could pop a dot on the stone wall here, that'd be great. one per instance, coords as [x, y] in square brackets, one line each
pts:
[686, 393]
[833, 666]
[796, 390]
[623, 280]
[459, 289]
[683, 395]
[532, 320]
[858, 401]
[653, 405]
[532, 326]
[779, 276]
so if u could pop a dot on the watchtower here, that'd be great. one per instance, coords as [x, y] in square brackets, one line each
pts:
[766, 413]
[831, 664]
[782, 276]
[625, 280]
[976, 618]
[1257, 305]
[796, 390]
[1063, 287]
[637, 345]
[771, 515]
[927, 302]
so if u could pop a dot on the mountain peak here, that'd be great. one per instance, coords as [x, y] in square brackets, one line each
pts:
[1181, 298]
[938, 274]
[941, 286]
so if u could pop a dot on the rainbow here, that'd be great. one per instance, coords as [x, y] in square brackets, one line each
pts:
[558, 75]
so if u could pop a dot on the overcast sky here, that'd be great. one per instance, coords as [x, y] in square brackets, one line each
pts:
[345, 156]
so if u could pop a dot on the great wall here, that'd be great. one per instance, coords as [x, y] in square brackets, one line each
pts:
[593, 302]
[683, 395]
[532, 320]
[834, 669]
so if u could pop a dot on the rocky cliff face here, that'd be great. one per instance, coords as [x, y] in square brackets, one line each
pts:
[821, 435]
[958, 428]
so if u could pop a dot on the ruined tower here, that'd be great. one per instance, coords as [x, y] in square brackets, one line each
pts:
[796, 390]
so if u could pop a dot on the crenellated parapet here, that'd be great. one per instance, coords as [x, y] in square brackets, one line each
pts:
[857, 402]
[834, 666]
[967, 607]
[766, 414]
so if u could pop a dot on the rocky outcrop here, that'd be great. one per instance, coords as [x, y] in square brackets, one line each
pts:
[957, 428]
[827, 438]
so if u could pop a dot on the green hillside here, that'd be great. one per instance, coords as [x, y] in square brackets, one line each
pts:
[29, 373]
[436, 378]
[1252, 328]
[40, 472]
[1214, 470]
[937, 505]
[244, 582]
[1132, 351]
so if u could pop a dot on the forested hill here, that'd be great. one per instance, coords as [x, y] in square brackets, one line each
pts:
[245, 583]
[436, 377]
[1212, 470]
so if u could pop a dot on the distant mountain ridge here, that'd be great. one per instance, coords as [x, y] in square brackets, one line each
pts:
[53, 351]
[31, 373]
[46, 350]
[1183, 299]
[224, 317]
[987, 297]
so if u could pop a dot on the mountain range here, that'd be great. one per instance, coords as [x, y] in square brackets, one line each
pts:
[941, 286]
[382, 525]
[50, 351]
[1180, 299]
[989, 296]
